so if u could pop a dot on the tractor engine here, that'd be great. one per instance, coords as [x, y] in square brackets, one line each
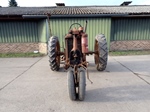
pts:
[76, 46]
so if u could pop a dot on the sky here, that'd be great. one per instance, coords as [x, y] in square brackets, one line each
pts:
[42, 3]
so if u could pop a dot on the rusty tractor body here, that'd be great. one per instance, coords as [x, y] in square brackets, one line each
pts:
[74, 56]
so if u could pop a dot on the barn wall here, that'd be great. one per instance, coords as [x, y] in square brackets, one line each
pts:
[130, 34]
[23, 36]
[60, 27]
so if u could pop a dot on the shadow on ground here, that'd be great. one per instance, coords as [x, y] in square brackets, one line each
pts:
[118, 94]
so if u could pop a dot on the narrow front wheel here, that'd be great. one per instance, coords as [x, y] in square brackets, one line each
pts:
[71, 85]
[82, 85]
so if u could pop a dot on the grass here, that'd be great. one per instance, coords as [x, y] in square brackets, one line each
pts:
[113, 53]
[10, 55]
[126, 53]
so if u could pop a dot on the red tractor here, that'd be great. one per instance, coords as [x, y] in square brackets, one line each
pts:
[74, 55]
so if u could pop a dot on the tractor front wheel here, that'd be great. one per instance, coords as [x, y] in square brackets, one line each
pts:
[82, 85]
[71, 85]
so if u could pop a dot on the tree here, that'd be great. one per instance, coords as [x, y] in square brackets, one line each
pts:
[13, 3]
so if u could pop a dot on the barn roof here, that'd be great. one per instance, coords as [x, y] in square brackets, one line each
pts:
[76, 10]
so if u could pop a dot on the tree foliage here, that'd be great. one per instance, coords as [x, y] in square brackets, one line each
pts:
[13, 3]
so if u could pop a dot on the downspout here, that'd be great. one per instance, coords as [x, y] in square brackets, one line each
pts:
[50, 31]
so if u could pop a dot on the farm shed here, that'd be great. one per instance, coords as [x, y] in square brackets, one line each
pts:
[25, 29]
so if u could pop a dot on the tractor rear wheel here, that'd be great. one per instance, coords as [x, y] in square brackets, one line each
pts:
[82, 85]
[53, 49]
[71, 85]
[101, 54]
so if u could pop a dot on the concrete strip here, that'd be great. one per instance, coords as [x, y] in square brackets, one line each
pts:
[139, 65]
[12, 68]
[39, 89]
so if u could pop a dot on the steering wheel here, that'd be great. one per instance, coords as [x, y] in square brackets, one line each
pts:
[75, 24]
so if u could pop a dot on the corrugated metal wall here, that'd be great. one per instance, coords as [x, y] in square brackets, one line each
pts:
[18, 31]
[130, 29]
[42, 31]
[95, 26]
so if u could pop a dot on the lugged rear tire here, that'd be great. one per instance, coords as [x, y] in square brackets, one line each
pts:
[53, 48]
[82, 85]
[101, 56]
[71, 85]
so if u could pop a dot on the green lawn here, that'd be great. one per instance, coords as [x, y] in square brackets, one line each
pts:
[113, 53]
[9, 55]
[126, 53]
